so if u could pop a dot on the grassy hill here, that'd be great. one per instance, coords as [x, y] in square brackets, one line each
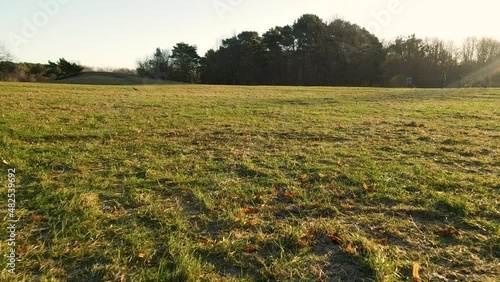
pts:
[107, 78]
[209, 183]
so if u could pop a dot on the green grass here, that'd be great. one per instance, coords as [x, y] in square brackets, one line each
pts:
[108, 78]
[213, 183]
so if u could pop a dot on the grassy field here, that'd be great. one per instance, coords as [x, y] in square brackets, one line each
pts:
[108, 78]
[209, 183]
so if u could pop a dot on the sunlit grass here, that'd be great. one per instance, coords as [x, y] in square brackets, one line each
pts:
[216, 183]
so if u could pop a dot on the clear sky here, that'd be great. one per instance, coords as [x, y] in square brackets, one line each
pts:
[115, 33]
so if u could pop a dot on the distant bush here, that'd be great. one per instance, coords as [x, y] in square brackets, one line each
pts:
[157, 66]
[22, 72]
[62, 69]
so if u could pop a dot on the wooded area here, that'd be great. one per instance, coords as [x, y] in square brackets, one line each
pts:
[338, 53]
[314, 52]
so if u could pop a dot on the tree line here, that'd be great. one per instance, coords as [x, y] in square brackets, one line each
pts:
[337, 53]
[29, 72]
[308, 52]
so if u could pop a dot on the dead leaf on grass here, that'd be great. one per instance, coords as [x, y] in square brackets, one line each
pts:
[38, 218]
[258, 196]
[22, 250]
[141, 255]
[380, 241]
[303, 177]
[302, 243]
[252, 222]
[249, 210]
[335, 238]
[367, 188]
[204, 241]
[348, 249]
[416, 272]
[449, 231]
[309, 233]
[347, 206]
[290, 195]
[249, 249]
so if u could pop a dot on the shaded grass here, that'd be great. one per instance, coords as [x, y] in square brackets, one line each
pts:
[215, 183]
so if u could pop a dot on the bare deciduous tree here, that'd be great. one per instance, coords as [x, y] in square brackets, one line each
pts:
[469, 51]
[5, 55]
[488, 49]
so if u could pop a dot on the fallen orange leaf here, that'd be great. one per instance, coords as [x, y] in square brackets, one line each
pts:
[309, 233]
[252, 222]
[367, 188]
[348, 249]
[302, 243]
[141, 255]
[336, 239]
[203, 241]
[249, 210]
[275, 191]
[250, 249]
[22, 250]
[38, 218]
[347, 206]
[290, 195]
[416, 270]
[303, 177]
[380, 241]
[261, 193]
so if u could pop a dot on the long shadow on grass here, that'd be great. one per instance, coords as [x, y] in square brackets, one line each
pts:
[91, 269]
[341, 266]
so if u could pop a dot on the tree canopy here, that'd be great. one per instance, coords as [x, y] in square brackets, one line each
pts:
[337, 53]
[309, 52]
[185, 63]
[157, 66]
[62, 69]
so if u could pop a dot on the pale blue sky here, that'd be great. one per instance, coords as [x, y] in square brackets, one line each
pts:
[115, 33]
